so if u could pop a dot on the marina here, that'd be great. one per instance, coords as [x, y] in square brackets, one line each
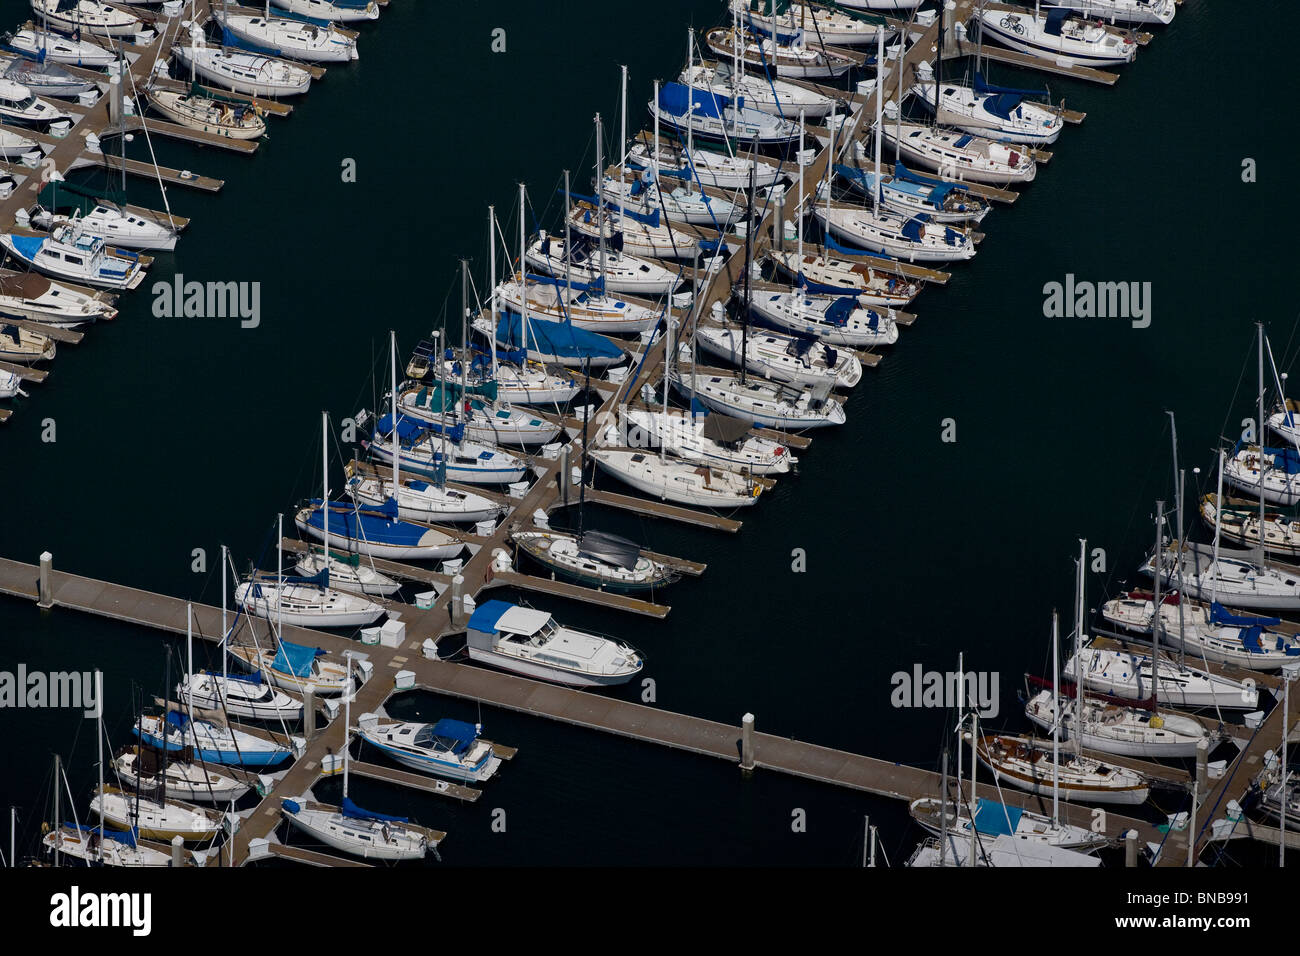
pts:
[477, 618]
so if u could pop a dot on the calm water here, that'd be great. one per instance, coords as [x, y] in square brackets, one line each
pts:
[177, 434]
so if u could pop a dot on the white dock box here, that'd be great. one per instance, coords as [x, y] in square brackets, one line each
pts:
[370, 635]
[392, 633]
[405, 680]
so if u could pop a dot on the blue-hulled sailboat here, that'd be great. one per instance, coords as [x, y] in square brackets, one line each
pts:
[208, 742]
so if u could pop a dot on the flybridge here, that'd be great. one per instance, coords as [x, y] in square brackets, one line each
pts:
[76, 909]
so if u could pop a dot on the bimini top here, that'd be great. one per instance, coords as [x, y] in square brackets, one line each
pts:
[458, 735]
[504, 616]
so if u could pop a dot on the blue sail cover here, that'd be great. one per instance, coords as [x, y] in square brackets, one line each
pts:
[1055, 18]
[991, 818]
[295, 659]
[125, 837]
[461, 732]
[840, 310]
[555, 338]
[982, 86]
[1220, 615]
[371, 528]
[411, 431]
[177, 719]
[231, 39]
[821, 288]
[355, 812]
[26, 247]
[598, 286]
[254, 678]
[676, 99]
[1002, 105]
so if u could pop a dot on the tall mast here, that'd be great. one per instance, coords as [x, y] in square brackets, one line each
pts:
[523, 285]
[582, 460]
[798, 213]
[225, 629]
[1218, 510]
[622, 148]
[1157, 621]
[749, 240]
[1178, 506]
[1056, 720]
[440, 474]
[601, 218]
[668, 365]
[654, 152]
[1259, 441]
[279, 559]
[690, 97]
[347, 723]
[961, 711]
[492, 274]
[464, 336]
[397, 443]
[1080, 585]
[880, 102]
[830, 164]
[568, 249]
[99, 763]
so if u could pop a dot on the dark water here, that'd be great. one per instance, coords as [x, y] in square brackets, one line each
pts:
[176, 434]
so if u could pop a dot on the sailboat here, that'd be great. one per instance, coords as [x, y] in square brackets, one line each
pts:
[962, 156]
[713, 116]
[97, 846]
[295, 667]
[836, 320]
[1137, 12]
[249, 73]
[711, 438]
[704, 167]
[448, 748]
[1106, 726]
[208, 113]
[141, 768]
[23, 346]
[993, 819]
[75, 17]
[1058, 35]
[291, 38]
[994, 112]
[42, 45]
[354, 830]
[827, 24]
[621, 273]
[910, 193]
[778, 97]
[794, 59]
[1280, 467]
[100, 215]
[1237, 520]
[583, 305]
[46, 77]
[333, 11]
[530, 642]
[208, 742]
[1128, 675]
[792, 359]
[419, 500]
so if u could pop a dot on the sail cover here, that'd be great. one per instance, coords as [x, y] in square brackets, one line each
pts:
[994, 819]
[125, 837]
[982, 86]
[725, 429]
[556, 338]
[1219, 615]
[350, 809]
[609, 548]
[294, 659]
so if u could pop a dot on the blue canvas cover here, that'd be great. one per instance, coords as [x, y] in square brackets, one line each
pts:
[295, 659]
[27, 246]
[1055, 17]
[372, 528]
[555, 338]
[350, 809]
[675, 98]
[983, 86]
[125, 837]
[486, 615]
[1220, 615]
[463, 733]
[991, 818]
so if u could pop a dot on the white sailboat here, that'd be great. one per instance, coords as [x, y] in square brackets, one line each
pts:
[295, 39]
[335, 11]
[156, 820]
[208, 115]
[777, 97]
[791, 359]
[993, 112]
[673, 479]
[141, 767]
[621, 273]
[295, 668]
[92, 17]
[1059, 36]
[796, 59]
[83, 53]
[250, 73]
[828, 25]
[1136, 12]
[965, 157]
[711, 439]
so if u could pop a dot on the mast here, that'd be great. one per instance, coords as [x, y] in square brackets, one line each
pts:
[601, 218]
[974, 763]
[1259, 441]
[279, 562]
[880, 99]
[582, 460]
[668, 360]
[225, 630]
[654, 152]
[523, 285]
[1178, 505]
[99, 763]
[1081, 585]
[397, 441]
[1056, 720]
[943, 812]
[492, 274]
[1157, 621]
[1218, 503]
[189, 659]
[58, 824]
[347, 723]
[440, 474]
[622, 150]
[463, 399]
[325, 492]
[961, 713]
[690, 97]
[830, 164]
[749, 241]
[798, 217]
[568, 249]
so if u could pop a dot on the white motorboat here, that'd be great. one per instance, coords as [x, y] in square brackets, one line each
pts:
[20, 107]
[962, 156]
[673, 479]
[250, 73]
[712, 439]
[27, 295]
[1128, 675]
[240, 695]
[294, 39]
[1028, 764]
[21, 346]
[76, 255]
[782, 358]
[448, 748]
[530, 642]
[208, 115]
[1058, 36]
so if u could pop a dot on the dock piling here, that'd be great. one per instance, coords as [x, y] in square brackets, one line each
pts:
[46, 592]
[1202, 765]
[309, 711]
[178, 846]
[457, 585]
[747, 742]
[1131, 848]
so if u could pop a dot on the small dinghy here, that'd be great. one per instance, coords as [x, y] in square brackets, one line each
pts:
[250, 73]
[81, 53]
[114, 848]
[706, 437]
[899, 236]
[797, 59]
[712, 116]
[621, 273]
[594, 559]
[240, 695]
[46, 78]
[75, 255]
[379, 533]
[792, 359]
[776, 96]
[143, 768]
[27, 295]
[1028, 764]
[420, 500]
[363, 833]
[207, 742]
[294, 667]
[704, 167]
[305, 605]
[996, 112]
[1058, 36]
[23, 346]
[1127, 675]
[419, 448]
[347, 572]
[992, 819]
[154, 819]
[209, 114]
[1239, 521]
[530, 642]
[20, 107]
[831, 276]
[674, 479]
[294, 39]
[1135, 12]
[909, 193]
[448, 748]
[75, 17]
[338, 11]
[835, 320]
[1281, 471]
[954, 154]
